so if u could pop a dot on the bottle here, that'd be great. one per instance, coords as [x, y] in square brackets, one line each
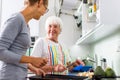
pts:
[104, 63]
[94, 6]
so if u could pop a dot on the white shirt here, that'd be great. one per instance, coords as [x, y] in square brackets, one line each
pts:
[44, 48]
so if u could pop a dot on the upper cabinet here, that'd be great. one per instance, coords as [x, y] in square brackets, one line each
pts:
[100, 20]
[99, 32]
[109, 11]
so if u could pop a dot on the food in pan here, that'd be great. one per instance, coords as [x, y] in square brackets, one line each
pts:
[86, 74]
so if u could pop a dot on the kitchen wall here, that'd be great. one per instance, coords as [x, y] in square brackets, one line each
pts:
[109, 48]
[9, 7]
[80, 52]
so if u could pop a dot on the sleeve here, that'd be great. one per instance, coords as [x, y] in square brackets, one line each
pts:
[37, 48]
[8, 34]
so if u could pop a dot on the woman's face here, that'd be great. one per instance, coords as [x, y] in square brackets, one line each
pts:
[41, 10]
[53, 31]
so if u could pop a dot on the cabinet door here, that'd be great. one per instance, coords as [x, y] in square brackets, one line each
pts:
[109, 11]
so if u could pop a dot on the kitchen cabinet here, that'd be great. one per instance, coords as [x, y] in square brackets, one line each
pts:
[99, 32]
[88, 17]
[108, 21]
[109, 11]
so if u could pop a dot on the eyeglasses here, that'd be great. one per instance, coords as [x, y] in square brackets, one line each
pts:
[46, 8]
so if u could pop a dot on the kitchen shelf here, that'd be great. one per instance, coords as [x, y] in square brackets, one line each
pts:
[99, 32]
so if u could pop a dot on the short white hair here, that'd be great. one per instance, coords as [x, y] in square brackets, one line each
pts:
[53, 20]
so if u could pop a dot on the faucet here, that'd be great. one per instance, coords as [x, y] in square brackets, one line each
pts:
[90, 59]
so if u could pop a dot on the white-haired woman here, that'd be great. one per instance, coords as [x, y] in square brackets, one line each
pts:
[51, 48]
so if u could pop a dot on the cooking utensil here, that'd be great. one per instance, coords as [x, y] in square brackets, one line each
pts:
[57, 77]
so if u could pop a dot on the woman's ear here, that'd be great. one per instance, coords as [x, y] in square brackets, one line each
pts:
[40, 3]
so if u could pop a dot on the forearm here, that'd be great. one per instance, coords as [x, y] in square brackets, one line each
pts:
[9, 56]
[35, 61]
[26, 59]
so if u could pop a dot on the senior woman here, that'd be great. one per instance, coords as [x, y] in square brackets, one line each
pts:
[51, 48]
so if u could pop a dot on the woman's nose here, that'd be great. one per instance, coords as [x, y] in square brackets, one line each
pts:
[52, 28]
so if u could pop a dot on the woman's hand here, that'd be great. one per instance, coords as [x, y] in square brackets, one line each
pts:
[55, 68]
[39, 62]
[79, 62]
[59, 68]
[37, 71]
[74, 64]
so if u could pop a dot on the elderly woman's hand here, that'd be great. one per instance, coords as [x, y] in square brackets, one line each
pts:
[74, 64]
[79, 62]
[55, 68]
[59, 68]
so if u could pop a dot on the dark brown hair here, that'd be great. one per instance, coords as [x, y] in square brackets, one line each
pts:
[32, 2]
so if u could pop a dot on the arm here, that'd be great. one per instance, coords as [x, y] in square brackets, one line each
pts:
[35, 61]
[8, 34]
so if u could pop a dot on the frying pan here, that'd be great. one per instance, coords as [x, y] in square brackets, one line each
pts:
[57, 77]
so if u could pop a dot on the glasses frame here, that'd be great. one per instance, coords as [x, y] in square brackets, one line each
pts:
[46, 9]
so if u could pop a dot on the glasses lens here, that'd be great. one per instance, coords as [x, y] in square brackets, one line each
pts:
[47, 10]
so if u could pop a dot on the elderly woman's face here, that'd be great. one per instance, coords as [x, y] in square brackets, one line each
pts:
[53, 31]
